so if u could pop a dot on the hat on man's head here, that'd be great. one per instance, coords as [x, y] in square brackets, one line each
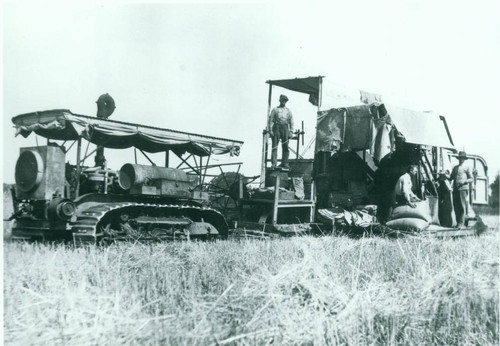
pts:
[462, 154]
[283, 97]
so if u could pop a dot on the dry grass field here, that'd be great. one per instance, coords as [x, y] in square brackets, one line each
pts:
[294, 291]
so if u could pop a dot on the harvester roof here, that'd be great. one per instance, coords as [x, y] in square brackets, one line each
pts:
[308, 85]
[62, 124]
[417, 127]
[425, 128]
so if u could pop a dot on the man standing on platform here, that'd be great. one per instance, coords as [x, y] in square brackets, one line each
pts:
[462, 178]
[281, 129]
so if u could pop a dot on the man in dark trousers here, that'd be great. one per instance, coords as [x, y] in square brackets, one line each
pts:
[462, 178]
[445, 212]
[281, 129]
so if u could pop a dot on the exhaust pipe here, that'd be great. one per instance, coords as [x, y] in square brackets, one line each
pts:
[105, 106]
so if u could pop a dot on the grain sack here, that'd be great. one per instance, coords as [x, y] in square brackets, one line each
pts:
[433, 209]
[421, 211]
[405, 224]
[298, 186]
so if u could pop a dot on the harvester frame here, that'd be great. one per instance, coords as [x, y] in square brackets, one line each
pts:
[425, 137]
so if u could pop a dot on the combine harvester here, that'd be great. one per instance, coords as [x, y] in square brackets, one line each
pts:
[362, 147]
[54, 199]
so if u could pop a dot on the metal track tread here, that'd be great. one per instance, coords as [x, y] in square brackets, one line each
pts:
[87, 228]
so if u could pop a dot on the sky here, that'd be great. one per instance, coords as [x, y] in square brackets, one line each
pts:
[201, 67]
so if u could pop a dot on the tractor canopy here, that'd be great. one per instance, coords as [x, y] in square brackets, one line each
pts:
[62, 124]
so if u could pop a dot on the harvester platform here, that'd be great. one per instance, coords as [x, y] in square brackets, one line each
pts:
[282, 213]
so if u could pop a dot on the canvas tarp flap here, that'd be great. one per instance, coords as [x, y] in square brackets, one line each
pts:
[64, 125]
[420, 127]
[361, 127]
[330, 130]
[357, 128]
[350, 126]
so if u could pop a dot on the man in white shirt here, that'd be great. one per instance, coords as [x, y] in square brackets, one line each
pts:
[281, 129]
[403, 188]
[462, 179]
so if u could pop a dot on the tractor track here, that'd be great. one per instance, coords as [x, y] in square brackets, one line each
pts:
[88, 226]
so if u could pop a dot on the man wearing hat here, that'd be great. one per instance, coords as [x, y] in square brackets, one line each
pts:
[280, 128]
[462, 177]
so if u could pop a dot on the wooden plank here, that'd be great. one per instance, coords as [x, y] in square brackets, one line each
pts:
[453, 232]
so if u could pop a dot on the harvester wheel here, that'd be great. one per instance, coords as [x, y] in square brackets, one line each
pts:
[224, 193]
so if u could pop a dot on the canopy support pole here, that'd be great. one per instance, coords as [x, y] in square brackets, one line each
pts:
[167, 158]
[78, 167]
[220, 164]
[224, 177]
[200, 179]
[71, 146]
[197, 166]
[185, 161]
[86, 151]
[147, 157]
[443, 119]
[206, 168]
[320, 93]
[87, 156]
[265, 140]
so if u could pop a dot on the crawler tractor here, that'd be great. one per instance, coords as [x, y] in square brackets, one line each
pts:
[54, 199]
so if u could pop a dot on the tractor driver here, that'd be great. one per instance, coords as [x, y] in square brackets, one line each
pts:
[281, 129]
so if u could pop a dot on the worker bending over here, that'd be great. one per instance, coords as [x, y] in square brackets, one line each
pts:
[403, 188]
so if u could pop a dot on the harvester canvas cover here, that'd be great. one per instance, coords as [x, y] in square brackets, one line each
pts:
[62, 124]
[325, 93]
[426, 128]
[362, 128]
[349, 118]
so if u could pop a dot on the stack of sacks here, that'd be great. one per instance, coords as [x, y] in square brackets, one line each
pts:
[404, 217]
